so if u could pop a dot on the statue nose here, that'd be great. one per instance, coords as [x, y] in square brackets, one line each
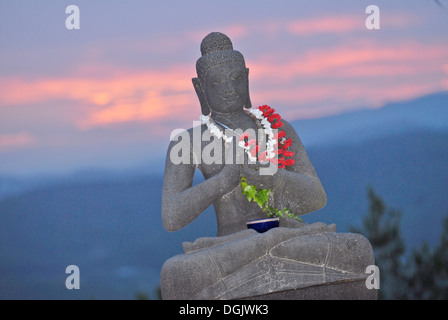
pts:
[229, 89]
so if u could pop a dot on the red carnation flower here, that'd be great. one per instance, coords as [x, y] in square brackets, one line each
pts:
[251, 142]
[244, 136]
[277, 151]
[288, 153]
[287, 143]
[276, 125]
[279, 135]
[254, 151]
[267, 112]
[289, 162]
[262, 108]
[275, 117]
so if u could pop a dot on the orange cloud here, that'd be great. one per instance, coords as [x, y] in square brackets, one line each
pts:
[346, 74]
[138, 96]
[153, 106]
[16, 140]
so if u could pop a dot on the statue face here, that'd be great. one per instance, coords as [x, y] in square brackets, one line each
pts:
[226, 87]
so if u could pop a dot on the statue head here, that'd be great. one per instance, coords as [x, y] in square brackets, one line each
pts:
[222, 84]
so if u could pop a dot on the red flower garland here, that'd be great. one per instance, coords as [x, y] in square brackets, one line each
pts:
[282, 147]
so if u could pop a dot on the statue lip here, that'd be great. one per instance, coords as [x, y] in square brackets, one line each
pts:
[231, 96]
[231, 99]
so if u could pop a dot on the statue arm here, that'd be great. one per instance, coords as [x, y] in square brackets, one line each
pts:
[299, 187]
[181, 201]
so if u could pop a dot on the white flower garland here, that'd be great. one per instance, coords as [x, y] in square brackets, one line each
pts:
[270, 144]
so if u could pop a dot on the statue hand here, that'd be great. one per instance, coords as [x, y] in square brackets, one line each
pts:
[255, 175]
[291, 223]
[231, 172]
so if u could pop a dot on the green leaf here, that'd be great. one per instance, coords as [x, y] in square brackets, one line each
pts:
[263, 194]
[261, 197]
[259, 201]
[250, 191]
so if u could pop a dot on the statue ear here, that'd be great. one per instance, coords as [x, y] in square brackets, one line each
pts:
[248, 104]
[205, 109]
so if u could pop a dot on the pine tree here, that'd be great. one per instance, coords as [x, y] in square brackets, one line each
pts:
[427, 270]
[382, 227]
[421, 275]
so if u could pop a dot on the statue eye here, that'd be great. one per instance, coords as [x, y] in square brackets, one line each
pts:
[219, 79]
[237, 75]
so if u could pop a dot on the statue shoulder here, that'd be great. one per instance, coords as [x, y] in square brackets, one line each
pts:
[290, 132]
[185, 147]
[187, 135]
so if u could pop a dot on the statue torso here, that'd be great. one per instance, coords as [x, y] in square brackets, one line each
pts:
[232, 210]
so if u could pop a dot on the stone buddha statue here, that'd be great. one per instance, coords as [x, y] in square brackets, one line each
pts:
[294, 260]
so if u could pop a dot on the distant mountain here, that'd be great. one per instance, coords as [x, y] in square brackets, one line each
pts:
[428, 112]
[111, 230]
[409, 171]
[110, 225]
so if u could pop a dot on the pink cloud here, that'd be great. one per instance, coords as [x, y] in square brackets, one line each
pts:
[407, 57]
[353, 72]
[134, 96]
[16, 140]
[318, 100]
[322, 82]
[336, 24]
[332, 24]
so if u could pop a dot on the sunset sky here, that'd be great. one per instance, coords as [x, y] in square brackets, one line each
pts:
[109, 94]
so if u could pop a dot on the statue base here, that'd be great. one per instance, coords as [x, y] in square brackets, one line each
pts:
[312, 262]
[347, 290]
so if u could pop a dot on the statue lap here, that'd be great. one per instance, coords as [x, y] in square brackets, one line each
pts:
[311, 262]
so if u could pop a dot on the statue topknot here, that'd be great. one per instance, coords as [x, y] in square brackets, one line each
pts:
[214, 42]
[216, 49]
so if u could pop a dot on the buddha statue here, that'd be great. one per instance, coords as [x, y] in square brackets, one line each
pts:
[240, 262]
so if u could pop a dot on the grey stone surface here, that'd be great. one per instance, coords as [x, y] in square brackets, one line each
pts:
[280, 260]
[342, 290]
[241, 263]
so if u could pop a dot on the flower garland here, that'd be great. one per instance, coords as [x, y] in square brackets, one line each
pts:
[214, 130]
[277, 152]
[277, 147]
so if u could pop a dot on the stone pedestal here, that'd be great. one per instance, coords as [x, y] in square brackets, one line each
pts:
[345, 290]
[280, 264]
